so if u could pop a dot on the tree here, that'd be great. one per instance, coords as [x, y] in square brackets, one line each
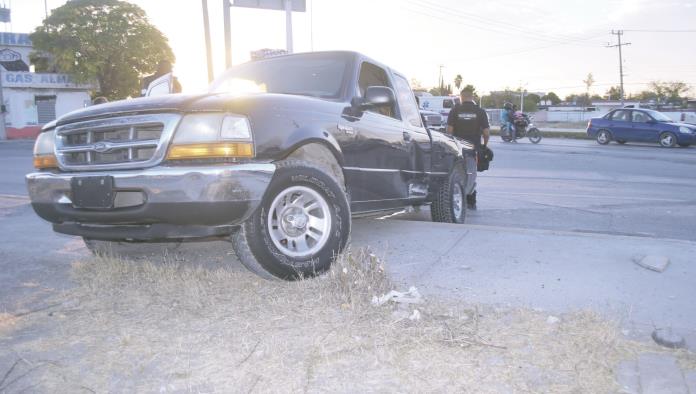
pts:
[107, 41]
[589, 81]
[552, 97]
[669, 92]
[614, 93]
[458, 81]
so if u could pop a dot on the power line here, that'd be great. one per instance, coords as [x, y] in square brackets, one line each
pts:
[658, 31]
[485, 24]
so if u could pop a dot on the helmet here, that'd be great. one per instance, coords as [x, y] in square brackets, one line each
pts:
[508, 106]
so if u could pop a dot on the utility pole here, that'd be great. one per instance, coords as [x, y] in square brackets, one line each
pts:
[618, 34]
[228, 33]
[442, 83]
[208, 49]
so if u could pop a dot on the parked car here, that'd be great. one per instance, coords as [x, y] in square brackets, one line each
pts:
[440, 104]
[275, 158]
[640, 125]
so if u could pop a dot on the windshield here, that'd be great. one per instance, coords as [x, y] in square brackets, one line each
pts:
[316, 75]
[658, 116]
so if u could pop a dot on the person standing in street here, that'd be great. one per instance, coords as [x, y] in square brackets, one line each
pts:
[469, 122]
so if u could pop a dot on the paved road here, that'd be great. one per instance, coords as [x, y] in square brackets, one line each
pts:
[570, 185]
[577, 185]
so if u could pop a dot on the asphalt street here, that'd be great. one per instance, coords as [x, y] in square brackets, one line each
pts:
[579, 185]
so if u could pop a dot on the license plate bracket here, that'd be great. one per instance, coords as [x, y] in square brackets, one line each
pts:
[93, 192]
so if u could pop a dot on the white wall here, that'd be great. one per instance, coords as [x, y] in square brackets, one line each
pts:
[21, 104]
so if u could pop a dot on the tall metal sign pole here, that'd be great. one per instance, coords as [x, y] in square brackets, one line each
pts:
[281, 5]
[618, 34]
[288, 25]
[228, 33]
[208, 50]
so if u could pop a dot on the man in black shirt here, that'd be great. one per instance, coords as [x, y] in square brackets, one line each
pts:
[469, 122]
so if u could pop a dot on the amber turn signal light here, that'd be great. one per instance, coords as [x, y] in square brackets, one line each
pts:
[211, 151]
[45, 161]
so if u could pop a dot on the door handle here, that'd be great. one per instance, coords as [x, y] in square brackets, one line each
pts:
[407, 136]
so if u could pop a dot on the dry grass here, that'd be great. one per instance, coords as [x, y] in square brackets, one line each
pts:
[148, 327]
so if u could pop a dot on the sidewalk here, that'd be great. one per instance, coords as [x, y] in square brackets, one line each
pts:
[552, 270]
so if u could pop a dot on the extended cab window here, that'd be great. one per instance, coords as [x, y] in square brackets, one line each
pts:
[407, 102]
[447, 103]
[372, 75]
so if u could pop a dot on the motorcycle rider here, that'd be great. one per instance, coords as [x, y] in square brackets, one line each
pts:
[469, 122]
[507, 121]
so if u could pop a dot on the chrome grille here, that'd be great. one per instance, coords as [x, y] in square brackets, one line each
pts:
[124, 142]
[434, 120]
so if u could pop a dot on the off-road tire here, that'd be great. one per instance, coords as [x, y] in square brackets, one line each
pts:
[254, 246]
[442, 208]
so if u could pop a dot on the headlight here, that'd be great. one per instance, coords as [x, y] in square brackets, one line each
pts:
[44, 155]
[686, 130]
[204, 136]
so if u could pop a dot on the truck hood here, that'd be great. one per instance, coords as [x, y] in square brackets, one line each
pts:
[184, 103]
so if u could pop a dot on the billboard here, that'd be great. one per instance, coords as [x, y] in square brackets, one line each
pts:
[297, 5]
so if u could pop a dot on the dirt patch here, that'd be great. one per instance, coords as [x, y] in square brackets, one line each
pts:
[144, 327]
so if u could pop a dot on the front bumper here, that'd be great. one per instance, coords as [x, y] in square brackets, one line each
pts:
[158, 203]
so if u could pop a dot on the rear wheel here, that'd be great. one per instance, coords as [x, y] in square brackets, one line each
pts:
[603, 137]
[449, 202]
[303, 222]
[668, 140]
[534, 135]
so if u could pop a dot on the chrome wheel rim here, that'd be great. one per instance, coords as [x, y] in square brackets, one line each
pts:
[299, 221]
[457, 201]
[667, 140]
[602, 137]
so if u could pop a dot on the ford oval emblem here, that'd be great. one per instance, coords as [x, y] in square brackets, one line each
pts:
[100, 147]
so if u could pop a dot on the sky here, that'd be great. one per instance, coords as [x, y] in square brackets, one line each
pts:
[541, 45]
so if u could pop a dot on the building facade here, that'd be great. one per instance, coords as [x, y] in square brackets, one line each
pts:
[32, 99]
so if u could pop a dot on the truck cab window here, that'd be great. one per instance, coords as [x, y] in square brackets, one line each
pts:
[407, 102]
[372, 75]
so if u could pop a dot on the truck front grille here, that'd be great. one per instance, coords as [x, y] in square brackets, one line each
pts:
[434, 120]
[115, 143]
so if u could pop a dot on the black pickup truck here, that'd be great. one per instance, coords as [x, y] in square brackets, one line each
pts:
[276, 157]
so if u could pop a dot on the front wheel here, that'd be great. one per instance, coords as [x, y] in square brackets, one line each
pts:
[449, 202]
[506, 138]
[534, 135]
[303, 222]
[668, 140]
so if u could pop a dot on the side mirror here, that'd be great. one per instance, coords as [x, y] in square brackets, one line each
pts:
[377, 97]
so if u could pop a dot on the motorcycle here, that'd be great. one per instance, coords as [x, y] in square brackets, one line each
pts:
[523, 128]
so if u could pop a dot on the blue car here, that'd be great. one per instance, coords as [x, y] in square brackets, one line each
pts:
[641, 125]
